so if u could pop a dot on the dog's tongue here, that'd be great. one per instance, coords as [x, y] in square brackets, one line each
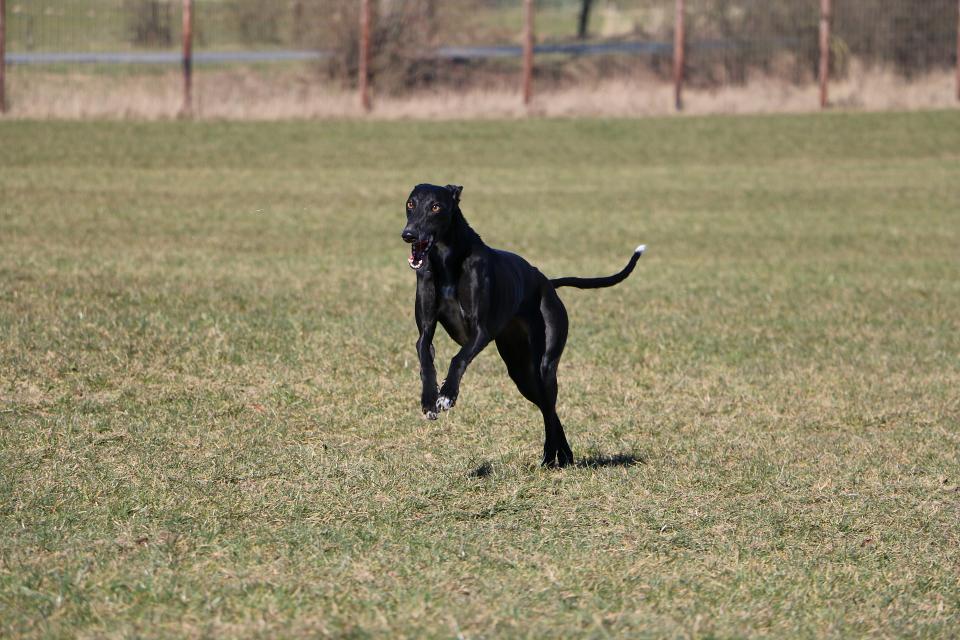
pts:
[418, 252]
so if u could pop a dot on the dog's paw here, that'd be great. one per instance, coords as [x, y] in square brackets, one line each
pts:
[428, 404]
[445, 403]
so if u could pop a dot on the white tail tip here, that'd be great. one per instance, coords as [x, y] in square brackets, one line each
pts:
[640, 249]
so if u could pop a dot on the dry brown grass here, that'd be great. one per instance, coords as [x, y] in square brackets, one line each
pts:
[287, 94]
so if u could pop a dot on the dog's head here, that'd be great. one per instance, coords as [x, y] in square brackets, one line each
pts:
[430, 212]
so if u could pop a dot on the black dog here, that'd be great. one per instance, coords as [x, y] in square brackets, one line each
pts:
[481, 294]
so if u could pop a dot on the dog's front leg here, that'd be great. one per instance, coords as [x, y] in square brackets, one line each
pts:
[474, 300]
[458, 366]
[428, 374]
[426, 314]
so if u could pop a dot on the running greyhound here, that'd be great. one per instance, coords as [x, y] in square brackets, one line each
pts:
[481, 294]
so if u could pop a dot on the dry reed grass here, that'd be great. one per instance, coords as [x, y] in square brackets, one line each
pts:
[242, 94]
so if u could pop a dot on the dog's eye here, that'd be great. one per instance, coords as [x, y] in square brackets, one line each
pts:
[435, 208]
[409, 204]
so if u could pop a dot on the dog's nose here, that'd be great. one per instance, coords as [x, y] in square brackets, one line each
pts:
[408, 236]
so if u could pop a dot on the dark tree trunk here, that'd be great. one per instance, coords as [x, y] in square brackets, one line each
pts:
[584, 20]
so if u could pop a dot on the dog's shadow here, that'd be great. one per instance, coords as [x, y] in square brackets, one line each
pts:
[483, 471]
[595, 461]
[614, 460]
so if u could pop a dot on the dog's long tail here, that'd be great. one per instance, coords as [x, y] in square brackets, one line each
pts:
[605, 281]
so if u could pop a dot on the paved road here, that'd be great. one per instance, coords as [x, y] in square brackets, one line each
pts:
[158, 57]
[448, 53]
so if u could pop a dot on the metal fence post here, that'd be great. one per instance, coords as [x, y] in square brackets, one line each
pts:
[187, 37]
[583, 21]
[364, 64]
[958, 50]
[527, 51]
[679, 51]
[3, 56]
[825, 15]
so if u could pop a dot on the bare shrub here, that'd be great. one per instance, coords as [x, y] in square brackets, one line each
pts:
[736, 37]
[150, 22]
[404, 33]
[911, 39]
[258, 22]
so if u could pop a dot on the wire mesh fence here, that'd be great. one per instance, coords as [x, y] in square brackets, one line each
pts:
[303, 56]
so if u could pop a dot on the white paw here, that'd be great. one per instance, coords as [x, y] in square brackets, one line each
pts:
[430, 415]
[444, 403]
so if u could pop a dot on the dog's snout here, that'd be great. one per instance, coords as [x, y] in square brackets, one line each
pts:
[408, 236]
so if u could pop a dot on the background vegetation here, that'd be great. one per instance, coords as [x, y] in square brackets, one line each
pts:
[730, 39]
[208, 389]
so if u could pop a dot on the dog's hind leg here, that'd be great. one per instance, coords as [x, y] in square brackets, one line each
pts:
[556, 450]
[521, 346]
[531, 351]
[522, 358]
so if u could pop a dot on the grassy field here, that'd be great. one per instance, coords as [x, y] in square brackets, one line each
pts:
[209, 420]
[110, 25]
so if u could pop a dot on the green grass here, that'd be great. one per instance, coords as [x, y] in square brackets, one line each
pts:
[209, 420]
[68, 25]
[108, 25]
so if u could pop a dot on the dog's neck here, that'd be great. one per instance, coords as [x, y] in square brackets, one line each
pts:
[458, 241]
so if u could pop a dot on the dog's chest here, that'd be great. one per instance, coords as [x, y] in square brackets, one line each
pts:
[449, 309]
[451, 313]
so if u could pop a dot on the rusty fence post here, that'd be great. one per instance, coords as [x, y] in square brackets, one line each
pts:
[363, 80]
[825, 15]
[187, 36]
[527, 51]
[679, 54]
[3, 56]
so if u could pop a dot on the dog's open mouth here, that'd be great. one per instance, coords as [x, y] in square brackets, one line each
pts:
[418, 253]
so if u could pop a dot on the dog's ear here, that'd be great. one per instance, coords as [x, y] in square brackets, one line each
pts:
[455, 190]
